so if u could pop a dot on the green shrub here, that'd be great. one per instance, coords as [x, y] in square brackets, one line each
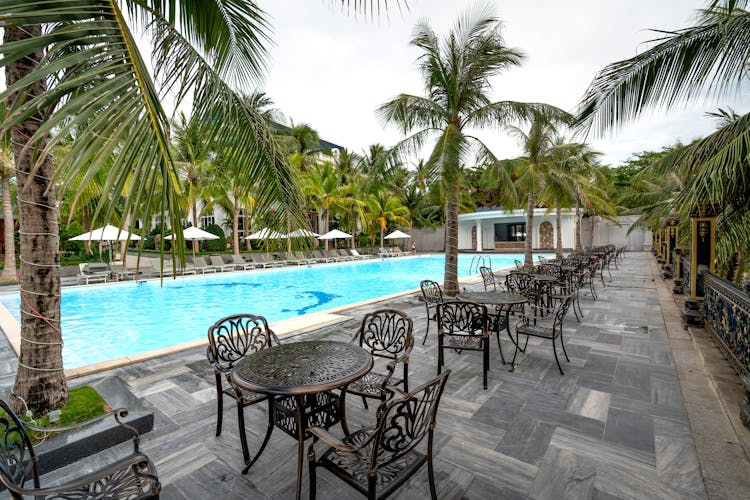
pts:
[219, 245]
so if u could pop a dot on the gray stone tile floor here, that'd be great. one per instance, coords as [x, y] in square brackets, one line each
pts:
[614, 426]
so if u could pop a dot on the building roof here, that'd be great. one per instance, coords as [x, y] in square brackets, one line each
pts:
[322, 142]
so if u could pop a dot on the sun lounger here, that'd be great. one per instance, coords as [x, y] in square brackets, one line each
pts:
[219, 263]
[321, 257]
[345, 255]
[203, 266]
[240, 264]
[304, 259]
[93, 272]
[261, 261]
[384, 252]
[333, 254]
[360, 256]
[279, 259]
[293, 259]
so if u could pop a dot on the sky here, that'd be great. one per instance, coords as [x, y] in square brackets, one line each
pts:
[331, 69]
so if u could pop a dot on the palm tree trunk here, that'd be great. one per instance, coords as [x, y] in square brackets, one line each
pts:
[194, 210]
[578, 226]
[450, 282]
[558, 243]
[248, 245]
[324, 213]
[528, 255]
[40, 381]
[382, 231]
[9, 269]
[235, 230]
[86, 228]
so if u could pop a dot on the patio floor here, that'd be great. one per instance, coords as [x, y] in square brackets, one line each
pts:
[616, 425]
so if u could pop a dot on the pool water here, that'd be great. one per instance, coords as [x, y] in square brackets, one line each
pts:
[103, 322]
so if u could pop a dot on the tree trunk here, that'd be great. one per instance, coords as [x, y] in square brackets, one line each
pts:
[450, 282]
[195, 243]
[248, 245]
[558, 243]
[381, 235]
[528, 255]
[40, 381]
[578, 226]
[235, 230]
[86, 228]
[9, 271]
[324, 214]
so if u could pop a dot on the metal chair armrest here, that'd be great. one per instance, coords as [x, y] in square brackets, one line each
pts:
[330, 439]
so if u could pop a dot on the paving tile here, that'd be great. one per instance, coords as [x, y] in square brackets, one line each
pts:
[564, 475]
[630, 429]
[527, 440]
[590, 403]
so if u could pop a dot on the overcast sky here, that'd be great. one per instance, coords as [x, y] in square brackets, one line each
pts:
[332, 70]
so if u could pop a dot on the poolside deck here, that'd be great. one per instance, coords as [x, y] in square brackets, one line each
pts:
[634, 416]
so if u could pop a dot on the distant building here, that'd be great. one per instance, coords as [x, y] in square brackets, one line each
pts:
[498, 229]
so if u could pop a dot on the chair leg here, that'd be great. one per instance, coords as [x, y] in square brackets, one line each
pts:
[243, 434]
[486, 363]
[554, 349]
[515, 352]
[269, 430]
[424, 339]
[219, 405]
[312, 473]
[563, 346]
[364, 402]
[430, 471]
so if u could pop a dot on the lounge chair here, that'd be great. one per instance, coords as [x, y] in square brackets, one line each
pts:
[279, 258]
[358, 255]
[304, 259]
[333, 254]
[261, 261]
[135, 269]
[203, 266]
[93, 272]
[219, 263]
[321, 257]
[240, 264]
[293, 259]
[384, 252]
[345, 255]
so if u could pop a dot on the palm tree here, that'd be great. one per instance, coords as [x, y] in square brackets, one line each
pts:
[103, 91]
[536, 143]
[321, 185]
[456, 72]
[384, 209]
[6, 173]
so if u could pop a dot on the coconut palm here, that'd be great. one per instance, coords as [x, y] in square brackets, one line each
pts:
[6, 174]
[84, 72]
[536, 144]
[456, 72]
[710, 58]
[321, 185]
[383, 209]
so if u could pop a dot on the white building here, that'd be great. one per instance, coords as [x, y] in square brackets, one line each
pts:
[506, 230]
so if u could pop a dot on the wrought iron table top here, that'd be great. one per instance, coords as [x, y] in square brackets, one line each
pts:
[302, 367]
[493, 298]
[542, 277]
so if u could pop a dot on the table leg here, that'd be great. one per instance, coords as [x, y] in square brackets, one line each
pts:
[342, 411]
[299, 411]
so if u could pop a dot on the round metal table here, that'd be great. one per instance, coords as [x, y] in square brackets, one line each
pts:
[303, 371]
[501, 300]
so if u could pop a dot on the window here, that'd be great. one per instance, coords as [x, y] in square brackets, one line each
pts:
[207, 220]
[517, 232]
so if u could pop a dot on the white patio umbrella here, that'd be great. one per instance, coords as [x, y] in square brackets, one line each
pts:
[108, 233]
[266, 234]
[397, 235]
[298, 233]
[334, 234]
[193, 233]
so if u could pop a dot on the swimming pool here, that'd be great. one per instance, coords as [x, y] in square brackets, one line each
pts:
[104, 322]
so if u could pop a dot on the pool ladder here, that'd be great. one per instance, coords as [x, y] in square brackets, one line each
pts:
[479, 261]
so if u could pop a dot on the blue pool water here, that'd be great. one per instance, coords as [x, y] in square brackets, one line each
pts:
[103, 322]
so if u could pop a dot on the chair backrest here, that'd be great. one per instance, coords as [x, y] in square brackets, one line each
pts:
[200, 262]
[96, 268]
[462, 318]
[431, 291]
[386, 333]
[18, 462]
[561, 310]
[237, 259]
[232, 337]
[404, 422]
[216, 260]
[517, 282]
[354, 252]
[488, 278]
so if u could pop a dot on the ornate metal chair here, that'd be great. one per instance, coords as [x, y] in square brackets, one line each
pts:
[229, 339]
[432, 295]
[133, 477]
[464, 326]
[376, 462]
[546, 327]
[387, 334]
[489, 279]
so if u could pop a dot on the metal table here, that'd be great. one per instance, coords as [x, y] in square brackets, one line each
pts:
[302, 372]
[503, 301]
